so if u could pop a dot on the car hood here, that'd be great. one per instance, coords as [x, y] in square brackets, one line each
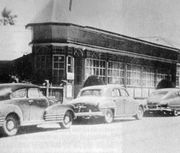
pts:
[155, 99]
[88, 100]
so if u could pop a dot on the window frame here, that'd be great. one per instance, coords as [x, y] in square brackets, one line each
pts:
[95, 67]
[69, 64]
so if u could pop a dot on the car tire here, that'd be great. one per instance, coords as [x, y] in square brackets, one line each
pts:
[140, 113]
[67, 120]
[11, 126]
[108, 116]
[175, 113]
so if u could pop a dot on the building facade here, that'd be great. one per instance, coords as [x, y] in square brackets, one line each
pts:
[70, 52]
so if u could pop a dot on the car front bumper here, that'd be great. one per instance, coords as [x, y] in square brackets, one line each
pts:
[89, 114]
[158, 108]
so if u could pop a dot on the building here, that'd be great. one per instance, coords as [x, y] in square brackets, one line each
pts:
[66, 51]
[63, 49]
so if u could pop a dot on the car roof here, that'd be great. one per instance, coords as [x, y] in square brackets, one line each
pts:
[103, 86]
[15, 86]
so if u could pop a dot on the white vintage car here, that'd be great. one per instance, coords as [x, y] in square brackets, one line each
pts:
[165, 100]
[24, 105]
[107, 101]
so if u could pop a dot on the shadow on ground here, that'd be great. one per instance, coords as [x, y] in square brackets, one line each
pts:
[157, 114]
[33, 129]
[95, 121]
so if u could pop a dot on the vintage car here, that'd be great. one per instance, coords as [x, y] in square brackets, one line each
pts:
[108, 102]
[164, 100]
[25, 105]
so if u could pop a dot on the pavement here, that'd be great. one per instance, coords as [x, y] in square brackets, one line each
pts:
[153, 134]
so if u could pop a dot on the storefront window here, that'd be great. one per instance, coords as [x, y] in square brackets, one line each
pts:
[148, 76]
[115, 72]
[95, 67]
[133, 75]
[58, 67]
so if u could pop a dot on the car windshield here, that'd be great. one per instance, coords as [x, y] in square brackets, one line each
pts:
[91, 92]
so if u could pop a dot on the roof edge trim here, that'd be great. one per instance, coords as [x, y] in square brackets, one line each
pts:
[108, 32]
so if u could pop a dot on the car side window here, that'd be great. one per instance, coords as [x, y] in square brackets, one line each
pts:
[115, 92]
[21, 93]
[124, 93]
[33, 93]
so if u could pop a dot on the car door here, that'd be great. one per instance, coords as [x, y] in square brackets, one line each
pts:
[38, 104]
[119, 111]
[129, 104]
[19, 98]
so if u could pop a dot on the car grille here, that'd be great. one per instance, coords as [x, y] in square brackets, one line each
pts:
[156, 106]
[85, 108]
[152, 106]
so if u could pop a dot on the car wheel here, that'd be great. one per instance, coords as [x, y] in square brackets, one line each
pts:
[175, 113]
[67, 120]
[108, 116]
[11, 126]
[140, 113]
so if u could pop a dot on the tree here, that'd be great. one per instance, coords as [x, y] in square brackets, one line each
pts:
[93, 80]
[165, 83]
[7, 17]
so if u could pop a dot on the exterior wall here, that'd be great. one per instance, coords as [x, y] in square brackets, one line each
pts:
[42, 64]
[87, 36]
[139, 76]
[72, 53]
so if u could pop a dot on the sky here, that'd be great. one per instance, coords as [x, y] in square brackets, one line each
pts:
[152, 20]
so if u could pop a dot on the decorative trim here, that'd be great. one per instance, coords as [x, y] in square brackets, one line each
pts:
[105, 32]
[111, 51]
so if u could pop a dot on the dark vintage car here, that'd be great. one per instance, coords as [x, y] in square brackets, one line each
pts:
[107, 101]
[164, 100]
[25, 105]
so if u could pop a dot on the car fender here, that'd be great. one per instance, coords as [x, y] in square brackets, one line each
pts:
[10, 108]
[59, 109]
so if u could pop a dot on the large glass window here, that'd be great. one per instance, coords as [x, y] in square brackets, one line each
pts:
[95, 67]
[115, 72]
[58, 67]
[148, 76]
[133, 75]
